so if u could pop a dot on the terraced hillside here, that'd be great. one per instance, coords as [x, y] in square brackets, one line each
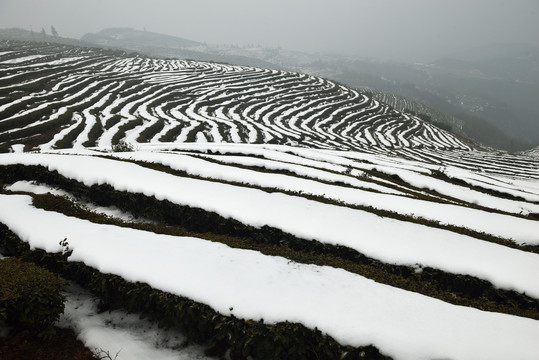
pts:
[55, 97]
[265, 214]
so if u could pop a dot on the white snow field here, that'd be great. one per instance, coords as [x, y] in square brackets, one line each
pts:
[298, 153]
[120, 333]
[389, 240]
[518, 229]
[352, 309]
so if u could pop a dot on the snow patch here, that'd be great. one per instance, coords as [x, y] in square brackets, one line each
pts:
[118, 332]
[352, 309]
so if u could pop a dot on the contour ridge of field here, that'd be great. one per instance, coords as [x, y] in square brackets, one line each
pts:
[58, 97]
[266, 214]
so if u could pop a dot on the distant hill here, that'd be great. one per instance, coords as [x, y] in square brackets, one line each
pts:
[25, 35]
[131, 38]
[161, 45]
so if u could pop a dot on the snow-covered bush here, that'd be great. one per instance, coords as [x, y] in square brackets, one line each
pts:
[122, 146]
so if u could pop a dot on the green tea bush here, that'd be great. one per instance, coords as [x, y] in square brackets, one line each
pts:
[30, 296]
[182, 220]
[198, 322]
[125, 127]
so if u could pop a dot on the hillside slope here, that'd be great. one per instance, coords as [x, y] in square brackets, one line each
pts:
[62, 97]
[265, 214]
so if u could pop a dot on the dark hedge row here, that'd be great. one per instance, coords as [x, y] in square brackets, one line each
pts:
[198, 322]
[172, 134]
[21, 122]
[442, 176]
[184, 220]
[69, 138]
[397, 183]
[379, 212]
[38, 134]
[200, 128]
[147, 134]
[44, 132]
[30, 296]
[432, 194]
[120, 134]
[95, 133]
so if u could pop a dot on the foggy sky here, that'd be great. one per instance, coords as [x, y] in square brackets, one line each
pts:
[403, 30]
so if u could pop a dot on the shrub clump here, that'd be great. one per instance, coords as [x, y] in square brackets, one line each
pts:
[122, 146]
[30, 296]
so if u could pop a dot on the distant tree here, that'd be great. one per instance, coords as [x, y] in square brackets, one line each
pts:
[43, 33]
[53, 31]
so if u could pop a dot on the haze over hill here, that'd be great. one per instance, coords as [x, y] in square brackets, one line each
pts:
[411, 31]
[489, 92]
[434, 53]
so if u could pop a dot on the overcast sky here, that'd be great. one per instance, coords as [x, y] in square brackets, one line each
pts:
[410, 30]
